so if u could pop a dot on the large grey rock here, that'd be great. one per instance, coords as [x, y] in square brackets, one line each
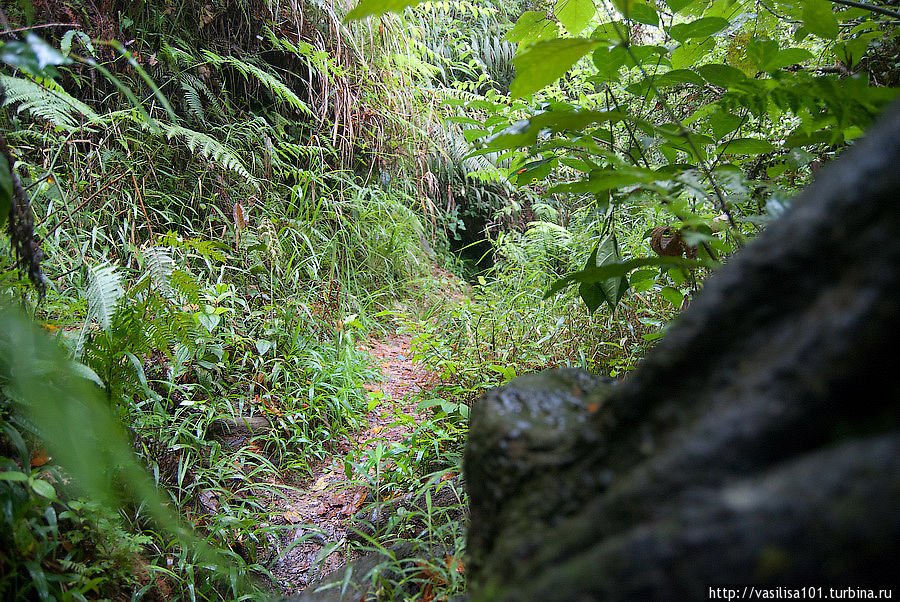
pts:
[757, 443]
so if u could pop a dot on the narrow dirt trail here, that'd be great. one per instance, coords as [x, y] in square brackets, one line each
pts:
[318, 507]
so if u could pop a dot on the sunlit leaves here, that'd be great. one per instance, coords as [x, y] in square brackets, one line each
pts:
[545, 62]
[700, 28]
[678, 5]
[687, 54]
[532, 27]
[639, 11]
[819, 19]
[574, 14]
[378, 7]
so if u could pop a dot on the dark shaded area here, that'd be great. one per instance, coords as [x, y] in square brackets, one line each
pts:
[757, 444]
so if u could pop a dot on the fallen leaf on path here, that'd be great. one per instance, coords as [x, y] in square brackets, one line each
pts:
[321, 483]
[292, 517]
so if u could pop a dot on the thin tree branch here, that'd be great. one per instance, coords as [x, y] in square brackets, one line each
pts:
[869, 7]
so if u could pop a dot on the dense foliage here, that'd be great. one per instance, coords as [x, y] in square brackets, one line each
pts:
[215, 202]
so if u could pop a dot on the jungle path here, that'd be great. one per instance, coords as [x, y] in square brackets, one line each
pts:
[319, 506]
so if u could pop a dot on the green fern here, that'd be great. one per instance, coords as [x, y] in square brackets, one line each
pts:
[55, 106]
[266, 79]
[210, 148]
[104, 293]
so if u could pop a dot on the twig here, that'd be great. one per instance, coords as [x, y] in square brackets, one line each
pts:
[43, 25]
[869, 7]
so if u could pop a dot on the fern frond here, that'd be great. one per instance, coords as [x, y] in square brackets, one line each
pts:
[210, 148]
[55, 106]
[193, 104]
[266, 79]
[160, 265]
[186, 285]
[103, 293]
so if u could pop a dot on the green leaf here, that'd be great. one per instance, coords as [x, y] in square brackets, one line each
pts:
[673, 296]
[722, 76]
[746, 146]
[43, 488]
[644, 13]
[611, 291]
[532, 27]
[700, 28]
[378, 7]
[819, 19]
[615, 270]
[787, 57]
[6, 190]
[609, 179]
[545, 62]
[614, 31]
[13, 476]
[723, 123]
[574, 14]
[608, 61]
[33, 56]
[533, 171]
[678, 5]
[678, 76]
[689, 53]
[264, 345]
[760, 52]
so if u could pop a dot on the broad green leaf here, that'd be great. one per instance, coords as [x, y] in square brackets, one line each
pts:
[611, 291]
[13, 475]
[534, 171]
[650, 53]
[687, 54]
[609, 60]
[700, 28]
[43, 488]
[679, 76]
[545, 62]
[760, 52]
[608, 254]
[613, 31]
[852, 51]
[6, 190]
[609, 179]
[677, 5]
[644, 13]
[532, 27]
[574, 14]
[746, 146]
[378, 7]
[720, 75]
[673, 296]
[615, 270]
[723, 123]
[474, 134]
[819, 18]
[787, 57]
